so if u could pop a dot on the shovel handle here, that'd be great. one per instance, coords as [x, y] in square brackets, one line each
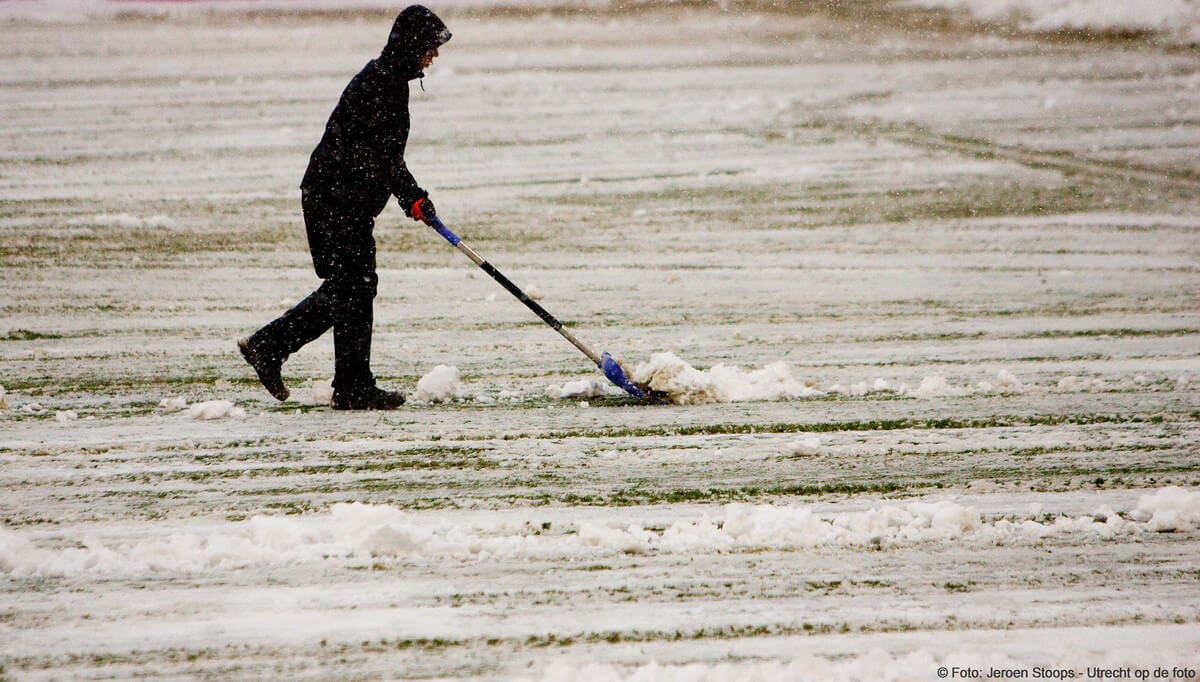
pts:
[513, 289]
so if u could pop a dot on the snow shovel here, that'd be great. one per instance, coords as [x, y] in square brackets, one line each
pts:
[605, 362]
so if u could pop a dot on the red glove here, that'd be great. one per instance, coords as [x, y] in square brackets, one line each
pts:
[423, 210]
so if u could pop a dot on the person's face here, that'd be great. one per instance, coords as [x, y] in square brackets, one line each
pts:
[427, 58]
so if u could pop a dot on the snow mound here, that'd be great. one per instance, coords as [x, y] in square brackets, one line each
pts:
[215, 409]
[686, 385]
[320, 392]
[357, 534]
[441, 385]
[66, 416]
[936, 386]
[1169, 509]
[808, 446]
[3, 399]
[1075, 384]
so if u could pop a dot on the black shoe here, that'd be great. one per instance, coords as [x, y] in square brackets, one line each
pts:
[370, 398]
[267, 369]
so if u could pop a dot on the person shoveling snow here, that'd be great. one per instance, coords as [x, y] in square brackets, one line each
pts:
[356, 167]
[358, 164]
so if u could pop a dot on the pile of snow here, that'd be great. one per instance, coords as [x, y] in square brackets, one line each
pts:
[320, 392]
[441, 385]
[1177, 19]
[360, 533]
[215, 409]
[355, 532]
[686, 385]
[1006, 382]
[66, 416]
[3, 398]
[174, 404]
[1074, 383]
[934, 386]
[1169, 510]
[808, 446]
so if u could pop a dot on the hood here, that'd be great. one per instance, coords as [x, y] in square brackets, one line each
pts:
[414, 32]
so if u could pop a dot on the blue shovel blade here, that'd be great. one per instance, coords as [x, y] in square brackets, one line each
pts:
[617, 375]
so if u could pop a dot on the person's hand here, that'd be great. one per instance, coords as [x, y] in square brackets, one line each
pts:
[423, 210]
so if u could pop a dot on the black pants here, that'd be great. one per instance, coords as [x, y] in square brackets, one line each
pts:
[343, 253]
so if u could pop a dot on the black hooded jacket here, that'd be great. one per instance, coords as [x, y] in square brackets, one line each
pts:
[359, 162]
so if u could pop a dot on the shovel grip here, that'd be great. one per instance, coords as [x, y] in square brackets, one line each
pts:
[444, 231]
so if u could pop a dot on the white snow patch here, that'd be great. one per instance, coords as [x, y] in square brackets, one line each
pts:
[583, 388]
[862, 388]
[215, 409]
[123, 220]
[441, 385]
[3, 398]
[66, 416]
[875, 665]
[686, 385]
[1177, 19]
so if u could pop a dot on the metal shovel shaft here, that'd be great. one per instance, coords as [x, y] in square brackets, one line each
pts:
[513, 289]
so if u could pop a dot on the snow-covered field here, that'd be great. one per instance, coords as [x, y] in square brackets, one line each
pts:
[928, 297]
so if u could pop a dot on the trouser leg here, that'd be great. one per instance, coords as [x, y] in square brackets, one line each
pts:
[343, 251]
[343, 254]
[352, 327]
[294, 329]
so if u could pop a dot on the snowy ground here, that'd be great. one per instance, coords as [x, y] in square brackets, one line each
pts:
[963, 266]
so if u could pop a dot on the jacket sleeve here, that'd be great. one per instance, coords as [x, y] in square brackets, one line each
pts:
[402, 183]
[398, 178]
